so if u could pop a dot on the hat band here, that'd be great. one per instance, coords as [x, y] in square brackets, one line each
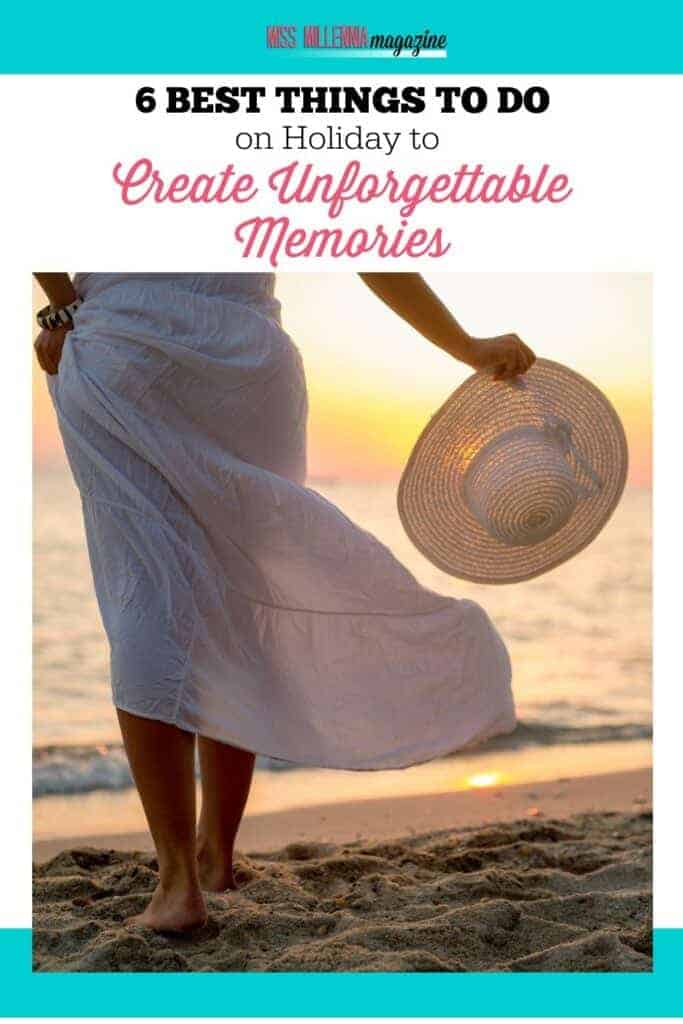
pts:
[524, 485]
[560, 431]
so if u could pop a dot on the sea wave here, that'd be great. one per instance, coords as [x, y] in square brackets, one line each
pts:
[68, 770]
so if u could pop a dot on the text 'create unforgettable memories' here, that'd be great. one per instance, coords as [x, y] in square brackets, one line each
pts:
[274, 236]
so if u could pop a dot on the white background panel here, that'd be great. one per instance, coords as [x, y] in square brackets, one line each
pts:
[616, 137]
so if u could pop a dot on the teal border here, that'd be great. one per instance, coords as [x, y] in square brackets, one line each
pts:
[497, 37]
[586, 37]
[340, 995]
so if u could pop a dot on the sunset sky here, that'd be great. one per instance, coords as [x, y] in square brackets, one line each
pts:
[373, 382]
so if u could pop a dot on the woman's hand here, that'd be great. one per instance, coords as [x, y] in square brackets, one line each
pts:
[506, 355]
[48, 347]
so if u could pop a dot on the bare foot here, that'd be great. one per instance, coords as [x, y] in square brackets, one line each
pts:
[215, 874]
[175, 910]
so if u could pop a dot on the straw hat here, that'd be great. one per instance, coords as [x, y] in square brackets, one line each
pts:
[509, 479]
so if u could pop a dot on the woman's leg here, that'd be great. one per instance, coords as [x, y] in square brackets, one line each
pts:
[226, 780]
[161, 759]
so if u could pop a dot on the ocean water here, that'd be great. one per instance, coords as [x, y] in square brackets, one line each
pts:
[579, 638]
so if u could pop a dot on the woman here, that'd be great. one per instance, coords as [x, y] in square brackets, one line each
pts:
[244, 612]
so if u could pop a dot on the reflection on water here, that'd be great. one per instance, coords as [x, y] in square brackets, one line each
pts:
[103, 813]
[482, 779]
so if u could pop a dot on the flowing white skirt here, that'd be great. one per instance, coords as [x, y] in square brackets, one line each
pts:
[238, 603]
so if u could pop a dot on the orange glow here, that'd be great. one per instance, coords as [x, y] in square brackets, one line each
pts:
[483, 779]
[374, 383]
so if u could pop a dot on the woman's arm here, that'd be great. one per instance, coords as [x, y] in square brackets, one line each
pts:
[58, 288]
[413, 300]
[49, 344]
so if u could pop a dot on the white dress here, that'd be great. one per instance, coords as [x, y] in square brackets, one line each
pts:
[238, 603]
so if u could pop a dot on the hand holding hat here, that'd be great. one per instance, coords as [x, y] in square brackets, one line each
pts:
[506, 355]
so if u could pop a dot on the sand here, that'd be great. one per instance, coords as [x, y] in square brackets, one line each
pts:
[552, 877]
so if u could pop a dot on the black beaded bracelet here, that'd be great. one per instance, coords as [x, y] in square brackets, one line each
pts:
[52, 317]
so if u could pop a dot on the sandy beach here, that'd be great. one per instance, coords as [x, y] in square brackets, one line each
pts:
[553, 876]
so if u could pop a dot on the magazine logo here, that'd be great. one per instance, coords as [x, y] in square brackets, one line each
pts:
[355, 41]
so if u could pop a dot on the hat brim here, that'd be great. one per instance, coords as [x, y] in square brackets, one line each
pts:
[430, 498]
